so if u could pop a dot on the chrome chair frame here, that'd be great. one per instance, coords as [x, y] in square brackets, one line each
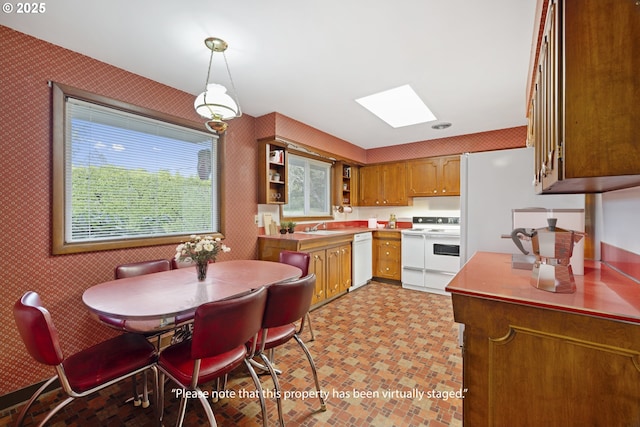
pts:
[43, 345]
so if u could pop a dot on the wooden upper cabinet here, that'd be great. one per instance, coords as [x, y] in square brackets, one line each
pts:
[272, 174]
[438, 176]
[394, 183]
[383, 185]
[584, 117]
[345, 179]
[369, 185]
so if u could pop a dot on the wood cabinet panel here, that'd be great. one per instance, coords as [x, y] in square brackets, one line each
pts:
[317, 266]
[584, 117]
[330, 261]
[383, 185]
[369, 188]
[536, 358]
[387, 255]
[345, 268]
[530, 366]
[437, 176]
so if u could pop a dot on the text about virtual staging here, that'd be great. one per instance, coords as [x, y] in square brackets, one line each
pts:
[388, 394]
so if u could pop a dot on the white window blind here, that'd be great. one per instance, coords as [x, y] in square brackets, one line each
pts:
[130, 176]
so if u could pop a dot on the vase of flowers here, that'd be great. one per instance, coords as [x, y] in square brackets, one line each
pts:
[200, 250]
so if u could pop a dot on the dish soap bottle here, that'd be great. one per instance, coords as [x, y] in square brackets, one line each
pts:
[392, 221]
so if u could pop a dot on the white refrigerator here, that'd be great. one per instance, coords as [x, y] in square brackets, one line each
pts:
[492, 184]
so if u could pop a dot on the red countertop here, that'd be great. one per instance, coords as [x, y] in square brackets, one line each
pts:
[342, 231]
[601, 292]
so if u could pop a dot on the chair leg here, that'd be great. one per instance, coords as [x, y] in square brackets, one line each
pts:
[145, 391]
[182, 410]
[160, 397]
[156, 394]
[33, 399]
[308, 319]
[323, 406]
[207, 408]
[135, 398]
[276, 386]
[55, 411]
[256, 381]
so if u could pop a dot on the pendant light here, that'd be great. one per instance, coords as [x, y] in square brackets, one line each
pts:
[214, 104]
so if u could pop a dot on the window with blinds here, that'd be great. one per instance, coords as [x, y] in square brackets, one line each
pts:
[129, 177]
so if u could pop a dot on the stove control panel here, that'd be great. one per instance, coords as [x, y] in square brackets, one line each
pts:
[436, 220]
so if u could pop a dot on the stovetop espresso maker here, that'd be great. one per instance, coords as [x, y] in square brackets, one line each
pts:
[552, 248]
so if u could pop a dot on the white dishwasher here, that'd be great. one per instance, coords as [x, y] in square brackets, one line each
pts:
[362, 260]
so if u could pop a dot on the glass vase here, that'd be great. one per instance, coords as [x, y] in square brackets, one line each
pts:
[201, 270]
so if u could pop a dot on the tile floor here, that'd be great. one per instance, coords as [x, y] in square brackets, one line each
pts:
[386, 356]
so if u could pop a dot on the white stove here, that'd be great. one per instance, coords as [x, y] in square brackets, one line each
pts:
[435, 225]
[430, 253]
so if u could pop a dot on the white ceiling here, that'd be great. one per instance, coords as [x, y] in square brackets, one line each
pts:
[309, 60]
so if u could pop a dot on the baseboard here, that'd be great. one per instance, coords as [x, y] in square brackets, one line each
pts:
[20, 396]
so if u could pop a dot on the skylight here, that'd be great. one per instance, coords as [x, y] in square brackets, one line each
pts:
[398, 107]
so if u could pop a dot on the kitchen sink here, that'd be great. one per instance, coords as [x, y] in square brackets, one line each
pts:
[322, 232]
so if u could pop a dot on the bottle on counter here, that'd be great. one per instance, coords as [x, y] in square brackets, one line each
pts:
[392, 221]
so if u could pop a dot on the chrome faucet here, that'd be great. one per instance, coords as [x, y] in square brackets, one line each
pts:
[315, 227]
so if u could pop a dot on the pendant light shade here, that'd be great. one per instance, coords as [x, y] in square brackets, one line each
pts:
[215, 104]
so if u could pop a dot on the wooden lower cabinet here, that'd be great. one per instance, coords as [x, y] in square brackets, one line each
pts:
[531, 366]
[338, 270]
[387, 255]
[318, 266]
[330, 262]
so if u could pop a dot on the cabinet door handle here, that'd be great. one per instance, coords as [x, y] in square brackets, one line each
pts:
[387, 253]
[444, 190]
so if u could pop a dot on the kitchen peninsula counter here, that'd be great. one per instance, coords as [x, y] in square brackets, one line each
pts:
[532, 357]
[303, 235]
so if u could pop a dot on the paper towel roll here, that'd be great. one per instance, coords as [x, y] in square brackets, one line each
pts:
[373, 222]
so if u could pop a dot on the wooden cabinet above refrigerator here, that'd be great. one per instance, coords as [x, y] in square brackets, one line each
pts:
[435, 176]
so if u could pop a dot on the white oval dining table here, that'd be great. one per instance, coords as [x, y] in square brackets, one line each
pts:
[157, 299]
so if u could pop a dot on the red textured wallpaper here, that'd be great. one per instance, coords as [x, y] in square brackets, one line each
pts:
[285, 127]
[26, 65]
[483, 141]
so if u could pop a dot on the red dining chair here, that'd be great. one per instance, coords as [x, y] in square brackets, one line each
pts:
[220, 331]
[300, 260]
[131, 270]
[82, 373]
[287, 302]
[143, 267]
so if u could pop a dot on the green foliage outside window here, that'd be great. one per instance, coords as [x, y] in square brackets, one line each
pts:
[110, 201]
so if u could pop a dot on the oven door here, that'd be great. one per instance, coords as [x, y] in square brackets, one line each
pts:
[442, 252]
[412, 252]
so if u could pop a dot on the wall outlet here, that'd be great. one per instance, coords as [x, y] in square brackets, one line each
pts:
[255, 219]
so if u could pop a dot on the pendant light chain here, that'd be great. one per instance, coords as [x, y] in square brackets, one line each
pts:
[233, 86]
[206, 83]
